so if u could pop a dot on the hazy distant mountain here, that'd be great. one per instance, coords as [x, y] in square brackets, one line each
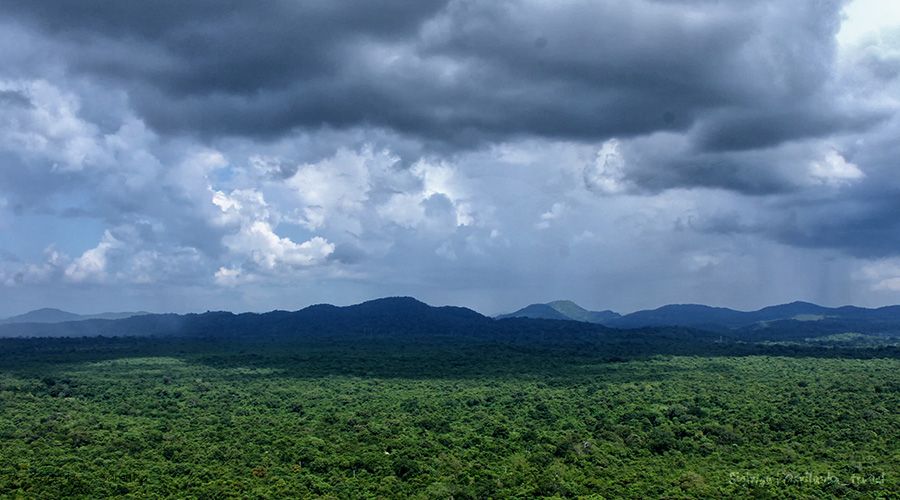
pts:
[562, 310]
[400, 321]
[536, 311]
[681, 315]
[578, 313]
[402, 318]
[50, 315]
[794, 320]
[46, 315]
[407, 318]
[701, 316]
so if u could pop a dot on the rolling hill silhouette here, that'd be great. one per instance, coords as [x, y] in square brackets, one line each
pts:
[409, 319]
[562, 309]
[51, 315]
[793, 321]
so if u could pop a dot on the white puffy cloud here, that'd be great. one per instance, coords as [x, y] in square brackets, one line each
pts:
[606, 174]
[16, 273]
[435, 184]
[270, 251]
[834, 170]
[92, 264]
[40, 120]
[254, 242]
[864, 19]
[241, 206]
[336, 189]
[881, 275]
[123, 257]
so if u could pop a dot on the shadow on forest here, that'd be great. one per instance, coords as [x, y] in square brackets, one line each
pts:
[394, 358]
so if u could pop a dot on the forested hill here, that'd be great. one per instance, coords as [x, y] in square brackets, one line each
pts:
[409, 320]
[383, 317]
[397, 320]
[563, 309]
[793, 321]
[698, 315]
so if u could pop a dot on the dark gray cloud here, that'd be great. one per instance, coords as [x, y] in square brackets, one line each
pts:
[460, 72]
[204, 47]
[859, 219]
[865, 229]
[747, 129]
[227, 66]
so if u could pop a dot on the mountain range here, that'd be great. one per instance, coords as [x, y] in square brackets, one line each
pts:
[408, 318]
[398, 322]
[381, 316]
[793, 317]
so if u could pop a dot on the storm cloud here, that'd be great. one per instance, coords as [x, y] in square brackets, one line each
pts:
[463, 71]
[484, 153]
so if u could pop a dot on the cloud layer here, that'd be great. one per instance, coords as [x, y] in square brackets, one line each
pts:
[192, 155]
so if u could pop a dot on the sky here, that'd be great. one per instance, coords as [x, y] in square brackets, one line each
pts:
[218, 154]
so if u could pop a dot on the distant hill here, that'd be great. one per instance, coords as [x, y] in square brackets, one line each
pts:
[536, 311]
[402, 319]
[50, 315]
[46, 315]
[793, 321]
[389, 316]
[683, 315]
[721, 318]
[560, 322]
[562, 310]
[401, 322]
